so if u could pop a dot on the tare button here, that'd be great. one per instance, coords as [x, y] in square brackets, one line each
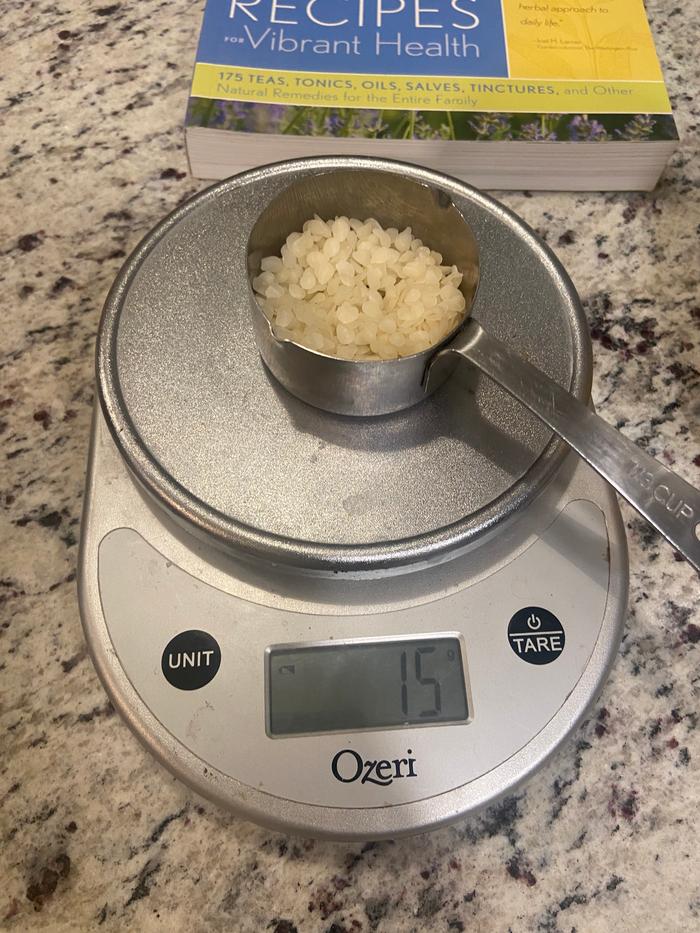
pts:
[191, 660]
[536, 635]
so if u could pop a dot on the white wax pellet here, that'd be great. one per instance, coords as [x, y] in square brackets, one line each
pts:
[345, 334]
[319, 228]
[348, 313]
[324, 272]
[331, 248]
[271, 264]
[340, 228]
[284, 318]
[308, 280]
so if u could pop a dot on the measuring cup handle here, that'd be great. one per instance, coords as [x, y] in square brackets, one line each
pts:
[667, 502]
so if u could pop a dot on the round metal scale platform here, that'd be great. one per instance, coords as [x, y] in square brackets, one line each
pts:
[337, 626]
[211, 434]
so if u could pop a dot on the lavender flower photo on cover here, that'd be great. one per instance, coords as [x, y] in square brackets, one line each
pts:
[254, 117]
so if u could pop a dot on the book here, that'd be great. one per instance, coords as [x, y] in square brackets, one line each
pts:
[526, 94]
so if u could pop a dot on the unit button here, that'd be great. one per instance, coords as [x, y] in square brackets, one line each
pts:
[191, 660]
[536, 635]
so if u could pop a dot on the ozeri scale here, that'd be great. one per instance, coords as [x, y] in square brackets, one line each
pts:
[337, 626]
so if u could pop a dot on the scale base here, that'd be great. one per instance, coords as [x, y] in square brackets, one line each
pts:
[145, 580]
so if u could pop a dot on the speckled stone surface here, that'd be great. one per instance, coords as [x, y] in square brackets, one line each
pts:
[93, 833]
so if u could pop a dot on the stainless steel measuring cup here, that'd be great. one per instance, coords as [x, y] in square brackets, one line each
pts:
[355, 387]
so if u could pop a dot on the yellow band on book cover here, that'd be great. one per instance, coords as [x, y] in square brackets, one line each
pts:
[398, 92]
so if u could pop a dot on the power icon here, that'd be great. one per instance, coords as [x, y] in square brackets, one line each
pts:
[534, 622]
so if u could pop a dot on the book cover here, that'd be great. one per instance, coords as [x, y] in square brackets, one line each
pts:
[487, 70]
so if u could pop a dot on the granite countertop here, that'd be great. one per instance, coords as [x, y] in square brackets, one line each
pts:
[94, 833]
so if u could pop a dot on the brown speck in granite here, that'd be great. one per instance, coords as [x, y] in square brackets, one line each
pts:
[614, 883]
[108, 10]
[376, 908]
[325, 901]
[68, 665]
[45, 879]
[600, 727]
[518, 870]
[61, 284]
[145, 880]
[43, 417]
[97, 712]
[623, 803]
[29, 241]
[430, 901]
[120, 215]
[570, 899]
[50, 520]
[163, 825]
[678, 614]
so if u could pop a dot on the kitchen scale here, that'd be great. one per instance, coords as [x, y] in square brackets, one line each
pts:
[335, 626]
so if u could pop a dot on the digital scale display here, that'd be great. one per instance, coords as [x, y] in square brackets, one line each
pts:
[352, 686]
